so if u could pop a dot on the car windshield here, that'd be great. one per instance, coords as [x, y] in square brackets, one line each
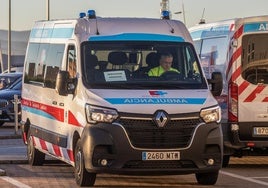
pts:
[17, 85]
[136, 65]
[6, 80]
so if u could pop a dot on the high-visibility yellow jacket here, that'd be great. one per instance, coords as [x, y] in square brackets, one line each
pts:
[158, 71]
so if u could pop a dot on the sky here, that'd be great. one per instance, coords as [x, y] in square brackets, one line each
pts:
[25, 12]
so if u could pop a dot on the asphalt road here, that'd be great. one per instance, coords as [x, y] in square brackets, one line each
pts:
[246, 172]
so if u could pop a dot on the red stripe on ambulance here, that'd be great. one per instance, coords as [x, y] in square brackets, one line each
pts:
[253, 94]
[234, 57]
[55, 112]
[54, 150]
[72, 119]
[243, 87]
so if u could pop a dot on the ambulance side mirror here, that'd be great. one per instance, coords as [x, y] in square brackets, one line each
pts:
[216, 83]
[65, 85]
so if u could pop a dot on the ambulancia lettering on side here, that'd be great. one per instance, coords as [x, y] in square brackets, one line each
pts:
[89, 99]
[155, 100]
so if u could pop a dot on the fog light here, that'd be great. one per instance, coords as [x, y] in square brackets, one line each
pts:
[211, 161]
[103, 162]
[234, 127]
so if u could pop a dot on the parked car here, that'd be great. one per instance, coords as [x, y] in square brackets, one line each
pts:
[7, 79]
[7, 102]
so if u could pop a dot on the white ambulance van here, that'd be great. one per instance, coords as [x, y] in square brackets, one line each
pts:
[87, 99]
[238, 49]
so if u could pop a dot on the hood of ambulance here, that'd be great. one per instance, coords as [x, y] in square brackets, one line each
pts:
[149, 101]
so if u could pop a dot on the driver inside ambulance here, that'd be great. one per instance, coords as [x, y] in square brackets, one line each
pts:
[165, 63]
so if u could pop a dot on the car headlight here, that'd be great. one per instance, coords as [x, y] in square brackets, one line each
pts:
[211, 114]
[100, 114]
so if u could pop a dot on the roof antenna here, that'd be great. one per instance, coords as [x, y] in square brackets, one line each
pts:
[92, 15]
[202, 20]
[165, 13]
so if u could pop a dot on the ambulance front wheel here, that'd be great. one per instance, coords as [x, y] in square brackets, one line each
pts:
[35, 157]
[209, 178]
[82, 176]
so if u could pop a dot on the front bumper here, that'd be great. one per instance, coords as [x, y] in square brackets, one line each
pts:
[114, 144]
[241, 136]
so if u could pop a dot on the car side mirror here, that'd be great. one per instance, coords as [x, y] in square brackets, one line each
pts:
[65, 85]
[216, 83]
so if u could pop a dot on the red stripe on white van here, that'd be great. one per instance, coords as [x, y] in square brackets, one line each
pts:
[239, 32]
[236, 73]
[237, 53]
[72, 119]
[265, 99]
[232, 27]
[43, 144]
[254, 93]
[54, 150]
[234, 57]
[57, 113]
[243, 87]
[71, 155]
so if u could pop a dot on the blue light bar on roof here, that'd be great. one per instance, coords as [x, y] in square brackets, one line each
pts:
[137, 37]
[165, 14]
[82, 15]
[91, 14]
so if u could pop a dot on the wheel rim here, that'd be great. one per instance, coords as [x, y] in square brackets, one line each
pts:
[78, 162]
[30, 148]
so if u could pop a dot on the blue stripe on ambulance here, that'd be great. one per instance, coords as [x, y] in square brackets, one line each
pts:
[137, 37]
[50, 33]
[38, 112]
[256, 27]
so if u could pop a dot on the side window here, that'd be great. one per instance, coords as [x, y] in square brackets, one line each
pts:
[192, 65]
[31, 61]
[53, 64]
[43, 62]
[71, 61]
[36, 63]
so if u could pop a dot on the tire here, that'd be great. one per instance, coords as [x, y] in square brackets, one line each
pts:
[35, 157]
[82, 176]
[225, 161]
[209, 178]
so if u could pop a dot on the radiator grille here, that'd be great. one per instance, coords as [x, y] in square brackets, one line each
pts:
[146, 134]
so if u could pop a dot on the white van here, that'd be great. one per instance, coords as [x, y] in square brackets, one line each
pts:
[87, 99]
[238, 49]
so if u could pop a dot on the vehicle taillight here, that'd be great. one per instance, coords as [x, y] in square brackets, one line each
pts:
[233, 102]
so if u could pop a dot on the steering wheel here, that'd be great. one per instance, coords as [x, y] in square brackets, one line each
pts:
[171, 75]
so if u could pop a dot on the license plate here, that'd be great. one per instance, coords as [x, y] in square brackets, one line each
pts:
[261, 131]
[173, 155]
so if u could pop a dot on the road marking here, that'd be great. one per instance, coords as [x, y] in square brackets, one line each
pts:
[260, 177]
[244, 178]
[14, 182]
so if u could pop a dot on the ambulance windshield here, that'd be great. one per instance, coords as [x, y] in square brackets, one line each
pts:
[141, 65]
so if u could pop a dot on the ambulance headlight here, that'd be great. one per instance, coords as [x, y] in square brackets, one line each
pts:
[210, 115]
[97, 114]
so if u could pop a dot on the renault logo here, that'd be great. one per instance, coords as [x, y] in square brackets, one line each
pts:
[161, 118]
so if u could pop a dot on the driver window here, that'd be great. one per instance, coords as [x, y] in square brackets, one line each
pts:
[71, 61]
